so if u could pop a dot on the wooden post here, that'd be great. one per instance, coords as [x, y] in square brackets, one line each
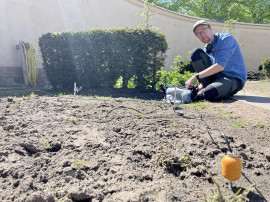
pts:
[24, 68]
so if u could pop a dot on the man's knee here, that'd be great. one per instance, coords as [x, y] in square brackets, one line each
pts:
[200, 58]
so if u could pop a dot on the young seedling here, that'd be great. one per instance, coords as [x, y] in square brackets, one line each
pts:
[238, 124]
[79, 163]
[261, 124]
[218, 195]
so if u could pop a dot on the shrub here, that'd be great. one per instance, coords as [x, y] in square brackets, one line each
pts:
[266, 66]
[98, 57]
[177, 76]
[183, 65]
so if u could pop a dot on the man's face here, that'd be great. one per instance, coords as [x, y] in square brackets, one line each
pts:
[204, 33]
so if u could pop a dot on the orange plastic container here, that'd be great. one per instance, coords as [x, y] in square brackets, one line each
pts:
[231, 167]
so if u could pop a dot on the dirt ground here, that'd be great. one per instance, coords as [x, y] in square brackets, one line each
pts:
[66, 148]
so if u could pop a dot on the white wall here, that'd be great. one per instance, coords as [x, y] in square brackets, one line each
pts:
[27, 20]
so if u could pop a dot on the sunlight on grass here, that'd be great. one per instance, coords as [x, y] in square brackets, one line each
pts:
[198, 105]
[261, 124]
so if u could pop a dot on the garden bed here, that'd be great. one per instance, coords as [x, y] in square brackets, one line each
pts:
[123, 149]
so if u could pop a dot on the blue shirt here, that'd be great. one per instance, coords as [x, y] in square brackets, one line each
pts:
[226, 52]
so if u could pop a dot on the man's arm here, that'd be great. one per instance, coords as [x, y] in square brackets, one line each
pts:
[213, 69]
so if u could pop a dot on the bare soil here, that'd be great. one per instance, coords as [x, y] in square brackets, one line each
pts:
[66, 148]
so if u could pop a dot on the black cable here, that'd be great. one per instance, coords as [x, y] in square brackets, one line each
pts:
[225, 137]
[123, 107]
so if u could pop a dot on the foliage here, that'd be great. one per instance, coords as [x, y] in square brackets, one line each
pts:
[171, 160]
[218, 195]
[261, 124]
[266, 67]
[183, 65]
[253, 11]
[238, 124]
[174, 77]
[228, 26]
[98, 57]
[147, 14]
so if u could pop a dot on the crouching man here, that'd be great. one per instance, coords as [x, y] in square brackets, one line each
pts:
[220, 66]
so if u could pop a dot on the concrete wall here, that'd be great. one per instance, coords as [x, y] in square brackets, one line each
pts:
[27, 20]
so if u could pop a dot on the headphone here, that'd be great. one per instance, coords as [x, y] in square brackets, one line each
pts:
[209, 47]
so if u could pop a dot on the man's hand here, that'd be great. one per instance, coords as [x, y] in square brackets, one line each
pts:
[189, 83]
[215, 68]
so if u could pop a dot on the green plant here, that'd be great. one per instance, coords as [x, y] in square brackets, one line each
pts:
[147, 14]
[238, 124]
[261, 124]
[119, 82]
[219, 197]
[45, 144]
[228, 26]
[266, 67]
[224, 114]
[174, 77]
[183, 64]
[79, 163]
[131, 82]
[69, 120]
[103, 97]
[169, 158]
[197, 105]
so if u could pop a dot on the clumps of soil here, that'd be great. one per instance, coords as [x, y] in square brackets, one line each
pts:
[104, 149]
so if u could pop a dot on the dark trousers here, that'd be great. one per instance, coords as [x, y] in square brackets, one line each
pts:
[201, 61]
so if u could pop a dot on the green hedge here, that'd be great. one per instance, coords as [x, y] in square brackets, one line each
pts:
[266, 67]
[97, 58]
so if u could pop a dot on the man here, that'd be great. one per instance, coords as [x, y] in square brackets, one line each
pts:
[220, 66]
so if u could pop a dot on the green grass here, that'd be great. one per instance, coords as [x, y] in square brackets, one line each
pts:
[261, 124]
[223, 114]
[238, 124]
[197, 105]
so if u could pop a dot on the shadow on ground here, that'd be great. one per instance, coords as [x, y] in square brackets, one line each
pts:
[253, 98]
[108, 92]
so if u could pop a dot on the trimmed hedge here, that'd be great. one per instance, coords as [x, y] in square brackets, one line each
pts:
[97, 58]
[266, 66]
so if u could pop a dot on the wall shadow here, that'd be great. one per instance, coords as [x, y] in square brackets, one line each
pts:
[253, 98]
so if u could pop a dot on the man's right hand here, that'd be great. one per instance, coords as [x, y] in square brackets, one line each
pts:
[189, 83]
